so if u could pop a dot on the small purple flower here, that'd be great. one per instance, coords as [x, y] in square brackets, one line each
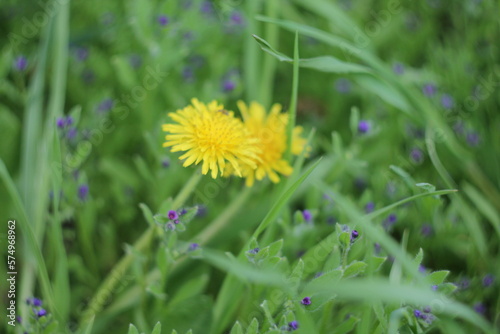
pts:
[163, 20]
[392, 218]
[343, 85]
[105, 105]
[417, 313]
[480, 308]
[20, 63]
[459, 127]
[488, 280]
[306, 301]
[172, 215]
[188, 74]
[427, 230]
[354, 235]
[72, 133]
[473, 139]
[165, 163]
[254, 251]
[447, 101]
[19, 319]
[377, 248]
[34, 301]
[464, 283]
[207, 7]
[434, 287]
[182, 212]
[169, 226]
[330, 220]
[236, 18]
[83, 192]
[422, 269]
[398, 68]
[429, 89]
[60, 122]
[293, 325]
[194, 246]
[41, 313]
[427, 309]
[228, 86]
[360, 183]
[81, 54]
[369, 207]
[69, 121]
[135, 61]
[416, 155]
[307, 215]
[202, 211]
[364, 126]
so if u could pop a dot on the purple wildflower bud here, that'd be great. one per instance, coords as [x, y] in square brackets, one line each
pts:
[228, 86]
[236, 18]
[83, 192]
[81, 54]
[163, 20]
[429, 89]
[36, 302]
[165, 163]
[434, 287]
[488, 280]
[307, 215]
[19, 319]
[194, 246]
[207, 7]
[105, 105]
[472, 139]
[182, 212]
[369, 207]
[427, 309]
[390, 221]
[422, 269]
[41, 313]
[464, 283]
[69, 121]
[447, 101]
[60, 122]
[20, 63]
[427, 230]
[354, 235]
[172, 215]
[398, 68]
[416, 155]
[188, 74]
[377, 248]
[293, 325]
[169, 227]
[202, 211]
[306, 301]
[135, 61]
[417, 313]
[72, 133]
[480, 308]
[343, 85]
[177, 221]
[254, 251]
[364, 126]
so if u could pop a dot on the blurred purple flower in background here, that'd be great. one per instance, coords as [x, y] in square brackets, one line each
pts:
[429, 89]
[343, 85]
[416, 155]
[83, 192]
[163, 20]
[20, 63]
[364, 126]
[447, 101]
[398, 68]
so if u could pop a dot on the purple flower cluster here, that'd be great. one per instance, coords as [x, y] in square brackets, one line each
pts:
[424, 315]
[36, 305]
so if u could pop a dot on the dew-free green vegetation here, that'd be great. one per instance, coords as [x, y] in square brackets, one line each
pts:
[389, 222]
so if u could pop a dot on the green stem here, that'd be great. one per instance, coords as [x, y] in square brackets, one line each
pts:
[108, 286]
[293, 100]
[269, 63]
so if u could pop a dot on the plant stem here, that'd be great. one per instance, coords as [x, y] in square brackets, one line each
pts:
[108, 286]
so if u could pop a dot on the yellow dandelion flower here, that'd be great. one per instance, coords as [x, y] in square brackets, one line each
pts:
[211, 134]
[270, 130]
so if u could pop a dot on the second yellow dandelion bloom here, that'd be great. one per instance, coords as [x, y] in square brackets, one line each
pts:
[270, 131]
[210, 134]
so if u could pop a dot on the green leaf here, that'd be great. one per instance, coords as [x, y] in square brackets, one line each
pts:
[354, 269]
[267, 312]
[237, 328]
[347, 326]
[148, 215]
[189, 215]
[345, 239]
[190, 288]
[437, 277]
[419, 257]
[296, 275]
[275, 248]
[132, 329]
[327, 278]
[378, 309]
[426, 186]
[383, 90]
[157, 328]
[377, 262]
[253, 328]
[160, 219]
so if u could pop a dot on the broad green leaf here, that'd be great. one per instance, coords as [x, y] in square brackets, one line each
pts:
[354, 269]
[296, 275]
[419, 257]
[437, 277]
[253, 328]
[426, 186]
[132, 329]
[345, 239]
[157, 328]
[275, 248]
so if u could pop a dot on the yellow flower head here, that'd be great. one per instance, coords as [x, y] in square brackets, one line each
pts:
[211, 134]
[270, 131]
